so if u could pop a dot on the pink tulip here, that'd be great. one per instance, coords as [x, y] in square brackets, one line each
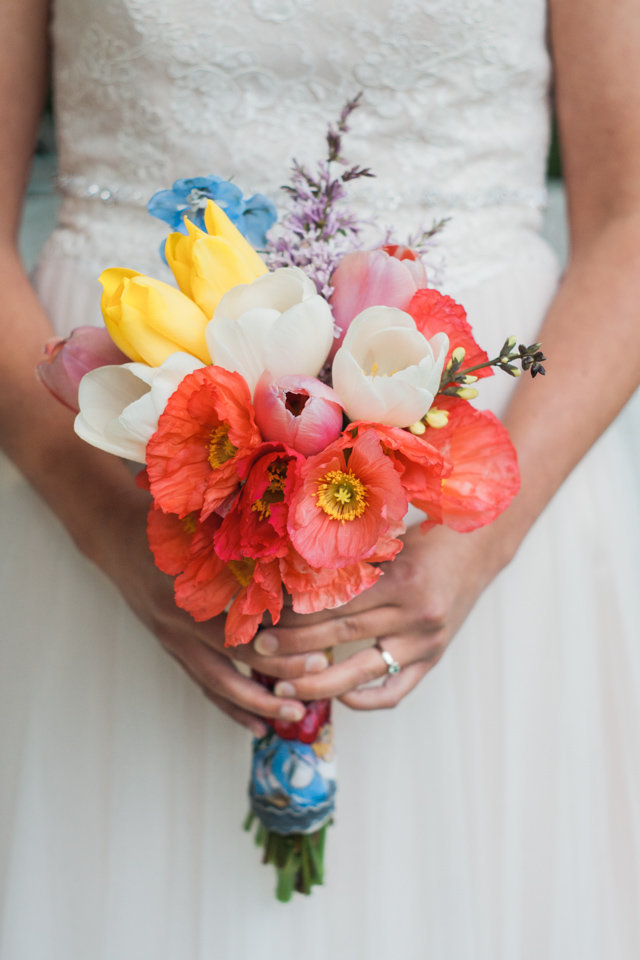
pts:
[299, 411]
[68, 359]
[388, 277]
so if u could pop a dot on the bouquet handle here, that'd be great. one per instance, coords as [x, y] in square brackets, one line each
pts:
[292, 795]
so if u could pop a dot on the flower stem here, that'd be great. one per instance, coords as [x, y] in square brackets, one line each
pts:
[530, 359]
[298, 859]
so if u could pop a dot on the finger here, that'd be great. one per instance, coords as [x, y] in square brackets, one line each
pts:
[220, 677]
[342, 629]
[284, 667]
[362, 667]
[288, 668]
[392, 691]
[257, 726]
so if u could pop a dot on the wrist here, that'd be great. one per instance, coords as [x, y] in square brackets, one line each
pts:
[116, 517]
[93, 494]
[497, 543]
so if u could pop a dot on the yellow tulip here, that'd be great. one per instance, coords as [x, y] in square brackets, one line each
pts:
[206, 265]
[149, 320]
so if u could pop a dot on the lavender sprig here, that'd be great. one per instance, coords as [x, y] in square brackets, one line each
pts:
[422, 241]
[317, 230]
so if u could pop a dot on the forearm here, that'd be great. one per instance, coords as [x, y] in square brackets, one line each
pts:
[591, 337]
[83, 486]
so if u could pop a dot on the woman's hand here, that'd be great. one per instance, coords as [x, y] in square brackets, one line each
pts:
[414, 610]
[426, 593]
[198, 647]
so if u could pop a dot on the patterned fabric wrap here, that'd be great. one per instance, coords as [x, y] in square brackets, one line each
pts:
[293, 784]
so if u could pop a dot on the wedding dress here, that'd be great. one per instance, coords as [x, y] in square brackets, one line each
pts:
[495, 814]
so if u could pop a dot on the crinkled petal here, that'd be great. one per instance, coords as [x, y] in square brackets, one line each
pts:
[313, 589]
[170, 540]
[485, 475]
[434, 312]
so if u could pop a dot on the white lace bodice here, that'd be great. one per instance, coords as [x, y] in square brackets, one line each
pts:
[454, 115]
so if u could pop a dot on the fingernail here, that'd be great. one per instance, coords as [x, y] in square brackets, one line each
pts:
[290, 712]
[316, 662]
[258, 729]
[284, 689]
[266, 644]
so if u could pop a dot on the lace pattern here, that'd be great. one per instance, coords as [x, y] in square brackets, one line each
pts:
[454, 115]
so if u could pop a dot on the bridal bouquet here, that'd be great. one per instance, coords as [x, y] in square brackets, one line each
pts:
[288, 409]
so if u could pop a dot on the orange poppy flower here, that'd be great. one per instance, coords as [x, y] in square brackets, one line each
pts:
[204, 432]
[205, 584]
[321, 588]
[256, 524]
[170, 538]
[484, 476]
[349, 505]
[419, 464]
[434, 312]
[208, 584]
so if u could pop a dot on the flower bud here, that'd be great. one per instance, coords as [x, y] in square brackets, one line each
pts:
[467, 393]
[388, 277]
[437, 418]
[418, 428]
[206, 265]
[386, 370]
[299, 411]
[277, 323]
[67, 360]
[149, 319]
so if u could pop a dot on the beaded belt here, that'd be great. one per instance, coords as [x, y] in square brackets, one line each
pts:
[82, 188]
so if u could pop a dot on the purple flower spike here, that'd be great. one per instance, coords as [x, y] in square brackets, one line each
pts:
[317, 230]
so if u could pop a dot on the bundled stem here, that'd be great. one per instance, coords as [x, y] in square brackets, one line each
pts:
[292, 812]
[298, 859]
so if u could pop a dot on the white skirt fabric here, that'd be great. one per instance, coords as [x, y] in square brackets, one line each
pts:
[494, 815]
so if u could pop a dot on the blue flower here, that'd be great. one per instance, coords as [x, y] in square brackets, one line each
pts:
[252, 216]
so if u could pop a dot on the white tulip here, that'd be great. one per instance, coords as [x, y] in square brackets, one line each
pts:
[386, 370]
[120, 404]
[277, 323]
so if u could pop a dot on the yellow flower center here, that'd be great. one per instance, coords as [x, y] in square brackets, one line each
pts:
[274, 492]
[341, 495]
[375, 371]
[190, 523]
[242, 570]
[262, 508]
[220, 447]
